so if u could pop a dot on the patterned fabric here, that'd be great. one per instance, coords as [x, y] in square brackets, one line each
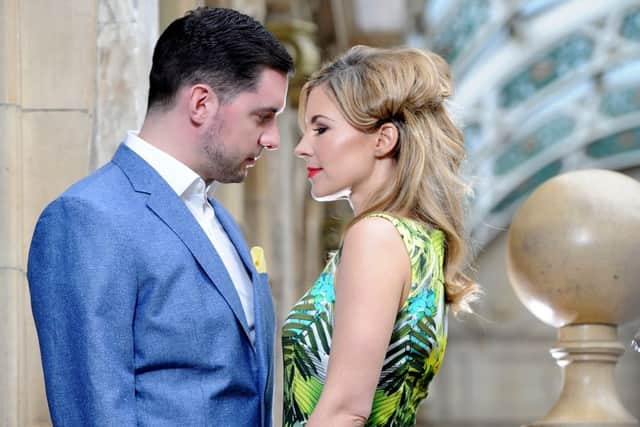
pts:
[417, 343]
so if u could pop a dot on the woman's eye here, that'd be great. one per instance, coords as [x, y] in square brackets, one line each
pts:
[320, 130]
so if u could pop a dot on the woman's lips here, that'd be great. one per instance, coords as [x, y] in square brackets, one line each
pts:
[312, 171]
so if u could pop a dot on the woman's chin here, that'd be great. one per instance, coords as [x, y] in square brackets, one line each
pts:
[330, 197]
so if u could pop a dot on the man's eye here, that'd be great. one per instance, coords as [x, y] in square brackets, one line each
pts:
[320, 130]
[263, 118]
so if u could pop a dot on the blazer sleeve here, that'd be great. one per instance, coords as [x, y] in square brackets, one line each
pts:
[83, 287]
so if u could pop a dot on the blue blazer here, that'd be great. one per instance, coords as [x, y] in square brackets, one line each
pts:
[137, 318]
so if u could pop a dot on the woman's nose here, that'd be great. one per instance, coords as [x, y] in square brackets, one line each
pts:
[302, 150]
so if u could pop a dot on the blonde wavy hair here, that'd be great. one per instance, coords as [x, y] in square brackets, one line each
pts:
[407, 87]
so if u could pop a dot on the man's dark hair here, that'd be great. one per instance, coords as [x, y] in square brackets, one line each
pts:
[220, 47]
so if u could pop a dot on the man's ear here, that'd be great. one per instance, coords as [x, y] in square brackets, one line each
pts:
[203, 103]
[387, 139]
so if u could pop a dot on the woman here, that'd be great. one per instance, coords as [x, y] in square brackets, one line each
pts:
[376, 131]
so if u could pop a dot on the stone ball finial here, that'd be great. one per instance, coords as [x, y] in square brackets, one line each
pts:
[574, 249]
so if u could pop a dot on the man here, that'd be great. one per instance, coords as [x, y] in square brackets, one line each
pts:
[148, 309]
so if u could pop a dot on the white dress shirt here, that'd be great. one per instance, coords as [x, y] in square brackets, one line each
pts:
[194, 193]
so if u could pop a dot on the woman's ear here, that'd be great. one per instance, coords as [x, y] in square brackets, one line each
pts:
[203, 103]
[387, 139]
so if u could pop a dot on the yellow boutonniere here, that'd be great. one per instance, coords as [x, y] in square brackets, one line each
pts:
[257, 255]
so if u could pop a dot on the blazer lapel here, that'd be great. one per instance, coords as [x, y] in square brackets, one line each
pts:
[166, 204]
[263, 304]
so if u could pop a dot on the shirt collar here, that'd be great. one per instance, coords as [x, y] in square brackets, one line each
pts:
[179, 176]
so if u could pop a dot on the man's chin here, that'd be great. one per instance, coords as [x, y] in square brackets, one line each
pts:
[236, 178]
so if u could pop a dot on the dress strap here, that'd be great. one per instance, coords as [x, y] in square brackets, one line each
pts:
[414, 233]
[411, 229]
[402, 226]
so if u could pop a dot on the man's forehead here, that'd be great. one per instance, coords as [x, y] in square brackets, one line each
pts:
[272, 90]
[267, 96]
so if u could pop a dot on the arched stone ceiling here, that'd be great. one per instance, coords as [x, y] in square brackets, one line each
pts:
[543, 87]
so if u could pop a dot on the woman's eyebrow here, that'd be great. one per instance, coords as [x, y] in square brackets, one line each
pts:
[319, 116]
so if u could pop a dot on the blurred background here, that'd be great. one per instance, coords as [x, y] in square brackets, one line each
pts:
[543, 87]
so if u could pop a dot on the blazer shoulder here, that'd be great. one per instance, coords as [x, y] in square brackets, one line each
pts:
[104, 190]
[105, 180]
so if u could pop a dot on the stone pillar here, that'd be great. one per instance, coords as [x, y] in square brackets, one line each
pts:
[255, 8]
[126, 34]
[11, 264]
[173, 9]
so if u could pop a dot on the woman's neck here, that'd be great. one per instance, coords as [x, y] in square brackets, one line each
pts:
[363, 193]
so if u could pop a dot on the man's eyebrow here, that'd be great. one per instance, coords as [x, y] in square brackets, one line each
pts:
[260, 110]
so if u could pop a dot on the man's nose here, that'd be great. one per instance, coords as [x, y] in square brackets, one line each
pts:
[270, 139]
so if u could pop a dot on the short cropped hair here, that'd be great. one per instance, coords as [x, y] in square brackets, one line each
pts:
[219, 47]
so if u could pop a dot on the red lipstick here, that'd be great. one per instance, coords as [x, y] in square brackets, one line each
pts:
[312, 171]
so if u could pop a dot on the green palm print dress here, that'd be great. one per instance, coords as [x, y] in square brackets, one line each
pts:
[415, 351]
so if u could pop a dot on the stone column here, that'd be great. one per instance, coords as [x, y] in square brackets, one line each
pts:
[126, 34]
[285, 211]
[173, 9]
[11, 265]
[255, 8]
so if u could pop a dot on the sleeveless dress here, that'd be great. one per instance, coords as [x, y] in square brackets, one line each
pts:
[415, 351]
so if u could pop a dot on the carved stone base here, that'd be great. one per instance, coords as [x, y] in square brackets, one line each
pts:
[599, 424]
[587, 355]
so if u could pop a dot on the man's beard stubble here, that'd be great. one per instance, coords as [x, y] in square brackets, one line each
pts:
[221, 168]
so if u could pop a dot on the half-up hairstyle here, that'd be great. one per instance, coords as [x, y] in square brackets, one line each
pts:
[407, 87]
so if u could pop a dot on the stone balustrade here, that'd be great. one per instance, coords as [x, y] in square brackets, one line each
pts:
[574, 262]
